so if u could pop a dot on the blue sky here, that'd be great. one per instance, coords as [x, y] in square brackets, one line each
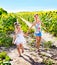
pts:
[28, 5]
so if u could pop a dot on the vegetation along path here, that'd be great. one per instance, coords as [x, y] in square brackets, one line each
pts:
[31, 56]
[45, 36]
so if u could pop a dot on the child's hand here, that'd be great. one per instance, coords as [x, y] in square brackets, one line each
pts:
[26, 34]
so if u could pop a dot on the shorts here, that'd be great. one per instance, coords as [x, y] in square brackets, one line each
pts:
[38, 34]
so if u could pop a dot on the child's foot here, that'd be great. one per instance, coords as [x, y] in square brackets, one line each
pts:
[38, 50]
[20, 55]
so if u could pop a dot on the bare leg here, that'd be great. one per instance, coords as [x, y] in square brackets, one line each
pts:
[18, 48]
[22, 48]
[38, 40]
[36, 44]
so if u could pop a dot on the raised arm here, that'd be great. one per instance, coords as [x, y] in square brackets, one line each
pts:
[33, 24]
[42, 24]
[44, 27]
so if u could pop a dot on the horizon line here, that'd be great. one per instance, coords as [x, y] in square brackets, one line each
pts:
[14, 11]
[35, 10]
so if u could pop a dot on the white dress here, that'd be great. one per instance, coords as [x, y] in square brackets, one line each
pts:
[19, 39]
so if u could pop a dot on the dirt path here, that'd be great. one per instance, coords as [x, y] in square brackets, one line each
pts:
[45, 36]
[28, 57]
[31, 57]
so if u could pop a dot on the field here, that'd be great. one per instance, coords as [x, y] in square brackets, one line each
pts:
[49, 18]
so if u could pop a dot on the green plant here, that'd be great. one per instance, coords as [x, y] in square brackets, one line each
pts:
[31, 43]
[48, 18]
[4, 59]
[1, 62]
[6, 41]
[47, 44]
[47, 61]
[7, 58]
[6, 63]
[6, 27]
[2, 55]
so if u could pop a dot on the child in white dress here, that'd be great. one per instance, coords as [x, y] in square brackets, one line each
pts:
[18, 38]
